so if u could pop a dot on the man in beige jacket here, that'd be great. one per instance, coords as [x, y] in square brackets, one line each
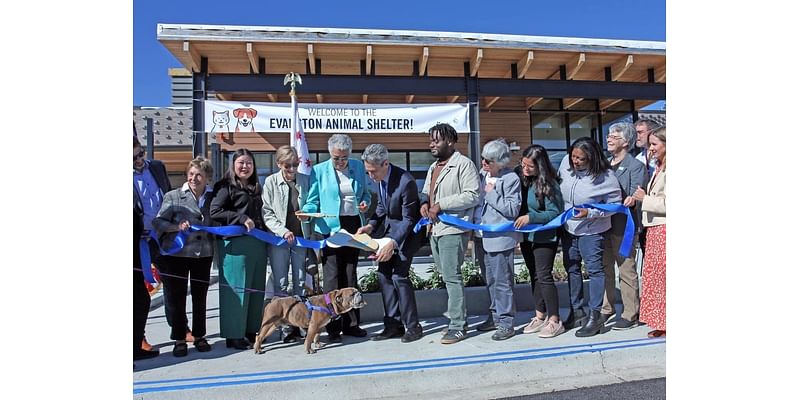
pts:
[451, 187]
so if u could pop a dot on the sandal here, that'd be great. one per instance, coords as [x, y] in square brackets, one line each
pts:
[656, 334]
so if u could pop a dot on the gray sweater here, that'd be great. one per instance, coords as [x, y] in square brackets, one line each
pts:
[578, 188]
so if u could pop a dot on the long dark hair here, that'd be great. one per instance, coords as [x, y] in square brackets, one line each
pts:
[252, 182]
[598, 165]
[547, 177]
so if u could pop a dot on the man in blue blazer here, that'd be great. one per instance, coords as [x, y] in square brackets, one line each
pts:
[394, 218]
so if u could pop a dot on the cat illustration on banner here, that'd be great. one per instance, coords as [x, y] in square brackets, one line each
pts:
[244, 119]
[221, 121]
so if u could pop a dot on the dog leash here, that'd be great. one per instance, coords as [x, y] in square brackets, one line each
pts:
[236, 289]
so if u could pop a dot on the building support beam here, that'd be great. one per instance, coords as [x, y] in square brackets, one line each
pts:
[253, 56]
[575, 65]
[369, 60]
[312, 61]
[423, 62]
[476, 62]
[193, 55]
[618, 69]
[440, 86]
[523, 64]
[491, 100]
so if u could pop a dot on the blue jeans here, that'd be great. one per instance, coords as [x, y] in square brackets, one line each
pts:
[590, 249]
[279, 261]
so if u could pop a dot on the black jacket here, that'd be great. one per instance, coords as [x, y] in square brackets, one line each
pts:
[232, 205]
[402, 214]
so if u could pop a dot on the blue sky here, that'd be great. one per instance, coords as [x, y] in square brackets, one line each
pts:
[610, 19]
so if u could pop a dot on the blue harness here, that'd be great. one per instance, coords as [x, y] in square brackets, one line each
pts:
[327, 310]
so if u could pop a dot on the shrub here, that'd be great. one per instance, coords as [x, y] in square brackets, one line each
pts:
[523, 276]
[368, 283]
[435, 281]
[471, 274]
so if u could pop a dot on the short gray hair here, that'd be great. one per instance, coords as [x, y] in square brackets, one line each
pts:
[375, 154]
[497, 150]
[341, 142]
[626, 130]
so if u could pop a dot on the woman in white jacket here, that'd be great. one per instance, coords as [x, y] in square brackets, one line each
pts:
[654, 217]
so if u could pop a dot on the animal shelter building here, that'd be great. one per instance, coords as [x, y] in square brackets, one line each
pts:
[526, 89]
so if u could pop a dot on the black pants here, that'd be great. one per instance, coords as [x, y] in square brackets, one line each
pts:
[178, 271]
[141, 307]
[399, 303]
[539, 259]
[339, 271]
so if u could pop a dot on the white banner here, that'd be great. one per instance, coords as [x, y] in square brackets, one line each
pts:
[222, 117]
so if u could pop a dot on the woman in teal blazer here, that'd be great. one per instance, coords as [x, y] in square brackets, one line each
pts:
[338, 191]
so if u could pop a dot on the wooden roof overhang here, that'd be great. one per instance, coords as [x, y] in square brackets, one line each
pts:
[504, 72]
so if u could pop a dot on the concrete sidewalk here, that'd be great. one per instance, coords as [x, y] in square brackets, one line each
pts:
[357, 368]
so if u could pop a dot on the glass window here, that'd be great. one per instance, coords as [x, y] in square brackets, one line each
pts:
[420, 161]
[549, 130]
[582, 125]
[399, 159]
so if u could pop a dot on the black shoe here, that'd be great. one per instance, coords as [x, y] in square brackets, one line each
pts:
[605, 317]
[290, 334]
[202, 345]
[180, 350]
[412, 335]
[503, 333]
[487, 325]
[593, 326]
[141, 354]
[354, 331]
[576, 318]
[238, 344]
[389, 333]
[334, 337]
[623, 324]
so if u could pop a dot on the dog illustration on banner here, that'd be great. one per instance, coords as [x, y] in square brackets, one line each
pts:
[221, 121]
[244, 119]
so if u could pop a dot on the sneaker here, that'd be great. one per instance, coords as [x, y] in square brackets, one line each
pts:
[535, 325]
[551, 329]
[503, 333]
[486, 326]
[623, 324]
[454, 336]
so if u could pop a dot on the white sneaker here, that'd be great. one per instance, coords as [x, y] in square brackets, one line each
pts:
[535, 325]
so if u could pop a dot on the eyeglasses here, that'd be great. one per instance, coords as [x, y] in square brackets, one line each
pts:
[339, 159]
[138, 155]
[287, 165]
[486, 161]
[615, 137]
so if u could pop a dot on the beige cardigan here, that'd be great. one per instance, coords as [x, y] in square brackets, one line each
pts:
[654, 205]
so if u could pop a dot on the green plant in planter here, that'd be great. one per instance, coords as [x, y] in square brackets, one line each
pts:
[369, 281]
[471, 274]
[435, 281]
[416, 281]
[523, 276]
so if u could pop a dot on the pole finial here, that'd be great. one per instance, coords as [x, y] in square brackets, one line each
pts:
[293, 78]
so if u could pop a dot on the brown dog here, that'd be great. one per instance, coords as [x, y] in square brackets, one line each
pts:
[290, 311]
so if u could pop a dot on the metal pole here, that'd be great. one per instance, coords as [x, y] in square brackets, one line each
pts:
[150, 140]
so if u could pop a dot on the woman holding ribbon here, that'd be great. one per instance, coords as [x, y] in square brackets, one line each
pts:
[182, 208]
[654, 217]
[587, 179]
[243, 258]
[285, 193]
[540, 187]
[338, 191]
[500, 204]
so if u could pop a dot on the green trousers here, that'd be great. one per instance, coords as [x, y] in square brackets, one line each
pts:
[243, 264]
[448, 255]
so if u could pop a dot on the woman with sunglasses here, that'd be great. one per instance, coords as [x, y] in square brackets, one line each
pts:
[285, 193]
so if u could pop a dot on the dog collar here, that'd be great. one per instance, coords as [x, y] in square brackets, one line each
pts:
[330, 306]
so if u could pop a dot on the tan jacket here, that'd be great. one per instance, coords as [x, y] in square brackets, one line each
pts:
[276, 201]
[456, 192]
[654, 205]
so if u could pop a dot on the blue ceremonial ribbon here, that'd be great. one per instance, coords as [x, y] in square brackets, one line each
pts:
[144, 250]
[236, 230]
[561, 219]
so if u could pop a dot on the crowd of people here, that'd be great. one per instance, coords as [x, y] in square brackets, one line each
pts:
[335, 196]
